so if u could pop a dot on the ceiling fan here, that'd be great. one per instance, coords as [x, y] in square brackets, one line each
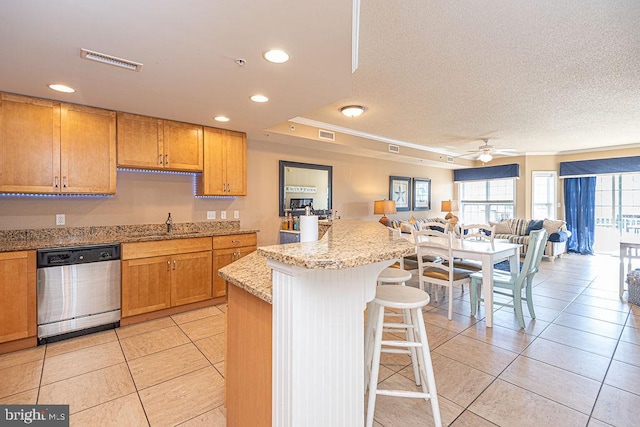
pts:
[486, 152]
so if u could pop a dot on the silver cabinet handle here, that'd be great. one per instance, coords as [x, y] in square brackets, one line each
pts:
[55, 181]
[174, 264]
[64, 181]
[159, 159]
[168, 265]
[235, 241]
[166, 159]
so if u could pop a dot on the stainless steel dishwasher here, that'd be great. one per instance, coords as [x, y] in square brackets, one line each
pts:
[78, 291]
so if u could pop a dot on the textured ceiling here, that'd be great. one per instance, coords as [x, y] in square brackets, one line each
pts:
[538, 77]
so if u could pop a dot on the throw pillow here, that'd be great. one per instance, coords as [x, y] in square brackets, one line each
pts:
[502, 227]
[405, 227]
[534, 224]
[552, 226]
[412, 220]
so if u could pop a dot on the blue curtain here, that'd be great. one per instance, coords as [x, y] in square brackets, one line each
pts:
[580, 213]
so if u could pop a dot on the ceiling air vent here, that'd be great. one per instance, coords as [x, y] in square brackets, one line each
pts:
[394, 148]
[326, 134]
[111, 60]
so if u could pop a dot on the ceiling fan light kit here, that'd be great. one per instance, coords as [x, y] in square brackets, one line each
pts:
[485, 157]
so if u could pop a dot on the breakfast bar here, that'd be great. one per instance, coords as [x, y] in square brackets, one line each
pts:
[301, 305]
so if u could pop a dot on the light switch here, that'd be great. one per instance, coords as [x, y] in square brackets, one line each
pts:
[60, 219]
[236, 214]
[223, 214]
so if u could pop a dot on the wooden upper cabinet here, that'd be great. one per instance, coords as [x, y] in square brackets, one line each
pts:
[150, 143]
[29, 144]
[48, 147]
[139, 141]
[88, 150]
[183, 148]
[225, 164]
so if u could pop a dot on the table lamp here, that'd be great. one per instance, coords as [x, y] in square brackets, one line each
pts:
[449, 206]
[384, 207]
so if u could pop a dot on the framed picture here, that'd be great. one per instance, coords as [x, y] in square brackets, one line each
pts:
[421, 194]
[400, 192]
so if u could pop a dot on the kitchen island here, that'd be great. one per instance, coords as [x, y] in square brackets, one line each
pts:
[295, 349]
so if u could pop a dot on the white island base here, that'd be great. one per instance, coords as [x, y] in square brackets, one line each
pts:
[318, 344]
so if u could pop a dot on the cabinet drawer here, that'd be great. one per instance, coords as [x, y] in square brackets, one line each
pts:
[165, 247]
[235, 240]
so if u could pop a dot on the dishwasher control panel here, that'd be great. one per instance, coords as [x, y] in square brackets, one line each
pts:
[77, 255]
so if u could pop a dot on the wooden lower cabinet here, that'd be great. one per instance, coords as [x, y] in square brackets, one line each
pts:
[248, 359]
[164, 274]
[192, 278]
[227, 249]
[146, 285]
[17, 295]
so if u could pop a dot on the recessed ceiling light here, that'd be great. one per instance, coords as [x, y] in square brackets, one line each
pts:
[62, 88]
[259, 98]
[277, 56]
[352, 110]
[221, 118]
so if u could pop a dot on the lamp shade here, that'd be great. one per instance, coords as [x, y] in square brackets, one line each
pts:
[384, 207]
[449, 206]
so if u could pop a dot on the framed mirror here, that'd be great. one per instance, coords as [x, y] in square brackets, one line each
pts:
[305, 184]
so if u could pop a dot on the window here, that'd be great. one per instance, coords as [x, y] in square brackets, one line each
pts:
[618, 202]
[484, 201]
[543, 194]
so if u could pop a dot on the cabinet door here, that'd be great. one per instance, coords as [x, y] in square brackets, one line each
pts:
[191, 278]
[183, 146]
[235, 167]
[140, 141]
[211, 182]
[17, 295]
[224, 257]
[29, 145]
[146, 285]
[88, 150]
[221, 258]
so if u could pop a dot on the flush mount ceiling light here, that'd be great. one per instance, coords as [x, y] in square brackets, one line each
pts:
[259, 98]
[110, 60]
[352, 110]
[61, 88]
[221, 118]
[485, 157]
[277, 56]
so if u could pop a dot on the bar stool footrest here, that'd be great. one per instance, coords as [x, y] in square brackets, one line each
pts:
[404, 393]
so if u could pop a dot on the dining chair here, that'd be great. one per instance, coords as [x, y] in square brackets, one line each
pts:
[433, 244]
[512, 284]
[475, 232]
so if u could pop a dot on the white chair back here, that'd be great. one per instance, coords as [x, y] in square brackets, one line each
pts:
[477, 232]
[433, 225]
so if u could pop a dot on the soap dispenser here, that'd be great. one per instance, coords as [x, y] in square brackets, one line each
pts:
[169, 223]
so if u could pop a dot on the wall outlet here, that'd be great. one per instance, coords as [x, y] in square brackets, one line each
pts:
[60, 219]
[236, 214]
[223, 214]
[211, 214]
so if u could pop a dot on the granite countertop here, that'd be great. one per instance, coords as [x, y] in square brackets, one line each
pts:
[20, 240]
[346, 244]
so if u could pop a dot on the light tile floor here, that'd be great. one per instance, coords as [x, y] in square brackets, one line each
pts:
[577, 364]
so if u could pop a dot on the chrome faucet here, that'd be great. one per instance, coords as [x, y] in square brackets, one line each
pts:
[169, 223]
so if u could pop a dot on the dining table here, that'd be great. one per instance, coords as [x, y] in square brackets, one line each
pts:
[488, 253]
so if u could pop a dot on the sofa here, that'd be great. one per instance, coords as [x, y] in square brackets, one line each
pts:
[517, 231]
[513, 230]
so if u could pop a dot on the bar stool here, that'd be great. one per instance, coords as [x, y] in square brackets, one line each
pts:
[394, 275]
[410, 300]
